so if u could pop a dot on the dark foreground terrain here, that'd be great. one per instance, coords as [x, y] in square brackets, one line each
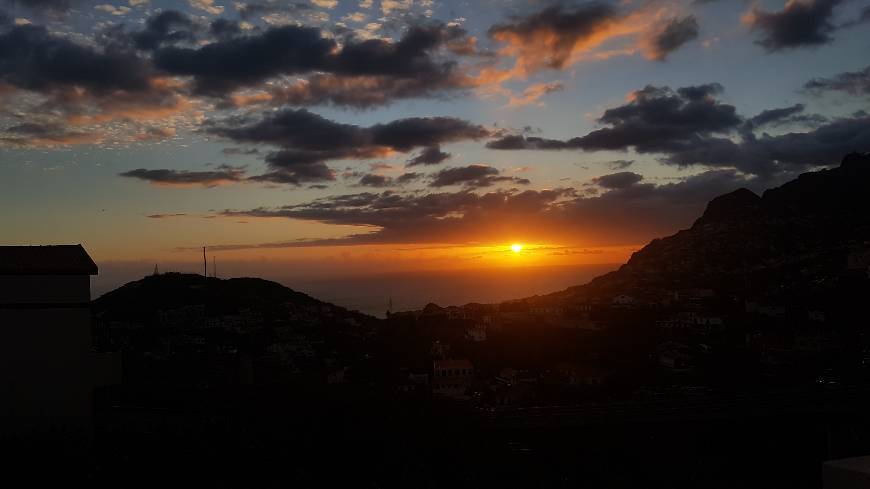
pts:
[733, 354]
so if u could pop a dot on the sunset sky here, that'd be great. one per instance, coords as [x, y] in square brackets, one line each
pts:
[354, 137]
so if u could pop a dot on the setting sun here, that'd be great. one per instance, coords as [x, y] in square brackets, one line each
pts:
[516, 247]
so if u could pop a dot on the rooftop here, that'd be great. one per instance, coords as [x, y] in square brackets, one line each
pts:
[46, 260]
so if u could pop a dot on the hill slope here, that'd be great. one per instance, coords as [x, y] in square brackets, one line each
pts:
[801, 232]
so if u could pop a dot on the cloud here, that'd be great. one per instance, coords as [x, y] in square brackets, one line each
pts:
[429, 156]
[533, 93]
[801, 23]
[853, 83]
[404, 68]
[46, 135]
[249, 10]
[690, 126]
[550, 37]
[226, 65]
[65, 82]
[51, 6]
[780, 117]
[408, 177]
[375, 180]
[656, 119]
[113, 10]
[308, 141]
[240, 151]
[168, 26]
[34, 59]
[472, 176]
[771, 116]
[352, 91]
[630, 214]
[295, 168]
[166, 216]
[561, 35]
[618, 180]
[620, 164]
[184, 178]
[670, 36]
[206, 6]
[156, 134]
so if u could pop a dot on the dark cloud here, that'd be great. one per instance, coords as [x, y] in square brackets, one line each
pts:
[415, 132]
[224, 29]
[656, 120]
[55, 6]
[407, 67]
[408, 177]
[620, 164]
[772, 116]
[671, 36]
[375, 180]
[799, 24]
[226, 65]
[627, 215]
[359, 91]
[472, 176]
[240, 151]
[618, 180]
[853, 83]
[45, 134]
[33, 59]
[308, 140]
[295, 168]
[780, 117]
[167, 27]
[690, 126]
[429, 156]
[184, 178]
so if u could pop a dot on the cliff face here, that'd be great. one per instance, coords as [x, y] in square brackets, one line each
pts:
[803, 230]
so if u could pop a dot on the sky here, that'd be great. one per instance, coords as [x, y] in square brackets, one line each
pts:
[330, 138]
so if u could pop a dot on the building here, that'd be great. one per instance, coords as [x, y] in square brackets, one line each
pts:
[48, 369]
[452, 378]
[476, 333]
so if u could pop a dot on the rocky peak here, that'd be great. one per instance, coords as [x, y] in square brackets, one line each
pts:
[738, 204]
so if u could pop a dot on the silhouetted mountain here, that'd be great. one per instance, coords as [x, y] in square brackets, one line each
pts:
[143, 298]
[189, 329]
[800, 233]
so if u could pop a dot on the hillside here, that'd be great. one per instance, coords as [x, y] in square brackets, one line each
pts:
[192, 330]
[801, 233]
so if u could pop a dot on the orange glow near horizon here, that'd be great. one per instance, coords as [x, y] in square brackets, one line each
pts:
[361, 260]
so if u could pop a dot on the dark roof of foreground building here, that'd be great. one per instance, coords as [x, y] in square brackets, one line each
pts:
[46, 260]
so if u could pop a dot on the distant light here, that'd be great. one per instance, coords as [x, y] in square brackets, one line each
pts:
[516, 247]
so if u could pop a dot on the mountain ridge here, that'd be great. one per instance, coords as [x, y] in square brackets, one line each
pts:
[804, 229]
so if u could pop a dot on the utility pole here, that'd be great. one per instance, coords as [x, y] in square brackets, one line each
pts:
[213, 266]
[204, 263]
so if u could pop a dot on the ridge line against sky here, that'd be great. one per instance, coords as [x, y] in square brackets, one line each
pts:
[145, 128]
